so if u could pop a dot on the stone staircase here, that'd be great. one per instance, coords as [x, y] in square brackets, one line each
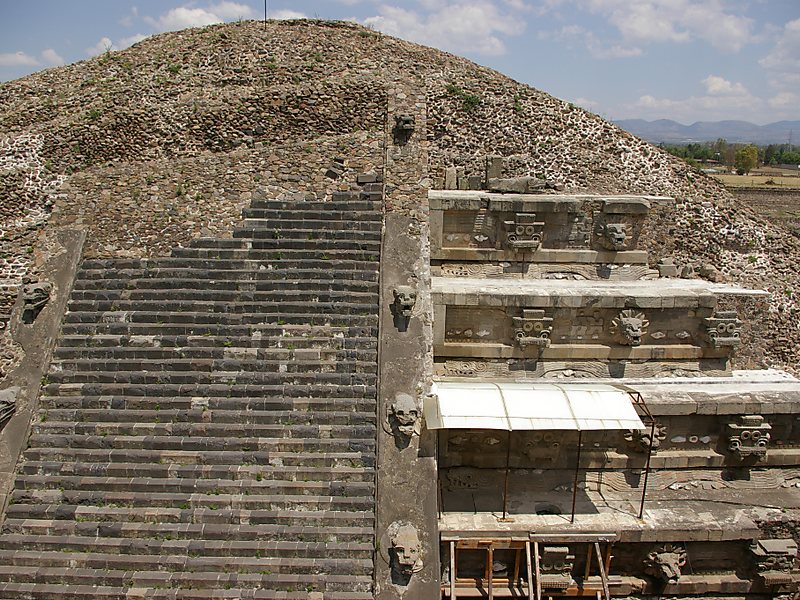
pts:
[207, 428]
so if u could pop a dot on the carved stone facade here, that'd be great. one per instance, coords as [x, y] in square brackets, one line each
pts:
[523, 232]
[533, 328]
[723, 329]
[556, 568]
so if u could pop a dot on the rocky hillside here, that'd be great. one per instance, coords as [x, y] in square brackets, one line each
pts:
[165, 141]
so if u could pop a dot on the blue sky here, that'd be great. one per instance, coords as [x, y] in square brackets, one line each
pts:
[686, 60]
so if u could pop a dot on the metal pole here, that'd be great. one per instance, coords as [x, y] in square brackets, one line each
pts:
[505, 483]
[452, 569]
[575, 481]
[266, 10]
[647, 466]
[537, 570]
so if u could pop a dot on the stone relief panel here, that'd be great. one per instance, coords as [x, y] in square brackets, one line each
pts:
[775, 561]
[523, 232]
[8, 404]
[748, 438]
[556, 564]
[477, 325]
[723, 329]
[533, 328]
[642, 440]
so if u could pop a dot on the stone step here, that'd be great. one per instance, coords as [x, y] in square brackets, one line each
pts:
[210, 580]
[306, 219]
[179, 563]
[221, 408]
[195, 377]
[280, 339]
[339, 204]
[193, 472]
[245, 431]
[273, 252]
[259, 277]
[330, 233]
[246, 458]
[229, 331]
[276, 501]
[293, 260]
[239, 394]
[301, 214]
[210, 301]
[184, 531]
[283, 418]
[108, 289]
[208, 443]
[224, 351]
[201, 366]
[196, 311]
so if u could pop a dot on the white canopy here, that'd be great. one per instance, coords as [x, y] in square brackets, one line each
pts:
[526, 406]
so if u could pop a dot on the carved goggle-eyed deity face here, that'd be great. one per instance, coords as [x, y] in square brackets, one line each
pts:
[407, 548]
[406, 413]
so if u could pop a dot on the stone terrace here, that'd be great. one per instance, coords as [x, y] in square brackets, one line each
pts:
[208, 422]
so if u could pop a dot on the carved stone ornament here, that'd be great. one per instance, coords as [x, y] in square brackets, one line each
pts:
[405, 297]
[723, 329]
[775, 561]
[665, 562]
[406, 550]
[404, 415]
[532, 329]
[543, 447]
[404, 125]
[34, 297]
[524, 232]
[8, 404]
[612, 236]
[639, 439]
[404, 122]
[556, 565]
[628, 327]
[749, 437]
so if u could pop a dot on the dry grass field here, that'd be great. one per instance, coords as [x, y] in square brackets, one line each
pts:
[767, 181]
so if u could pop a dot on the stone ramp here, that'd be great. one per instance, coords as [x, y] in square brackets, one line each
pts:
[207, 427]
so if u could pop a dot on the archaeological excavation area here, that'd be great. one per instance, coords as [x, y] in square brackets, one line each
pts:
[325, 330]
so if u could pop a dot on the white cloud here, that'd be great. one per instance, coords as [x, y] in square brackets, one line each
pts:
[191, 16]
[286, 15]
[52, 58]
[719, 86]
[465, 25]
[17, 59]
[785, 100]
[104, 45]
[697, 108]
[232, 10]
[596, 47]
[783, 62]
[676, 21]
[183, 17]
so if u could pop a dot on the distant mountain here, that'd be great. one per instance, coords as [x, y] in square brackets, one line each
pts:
[672, 132]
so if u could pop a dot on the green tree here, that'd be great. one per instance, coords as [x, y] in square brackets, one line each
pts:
[746, 159]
